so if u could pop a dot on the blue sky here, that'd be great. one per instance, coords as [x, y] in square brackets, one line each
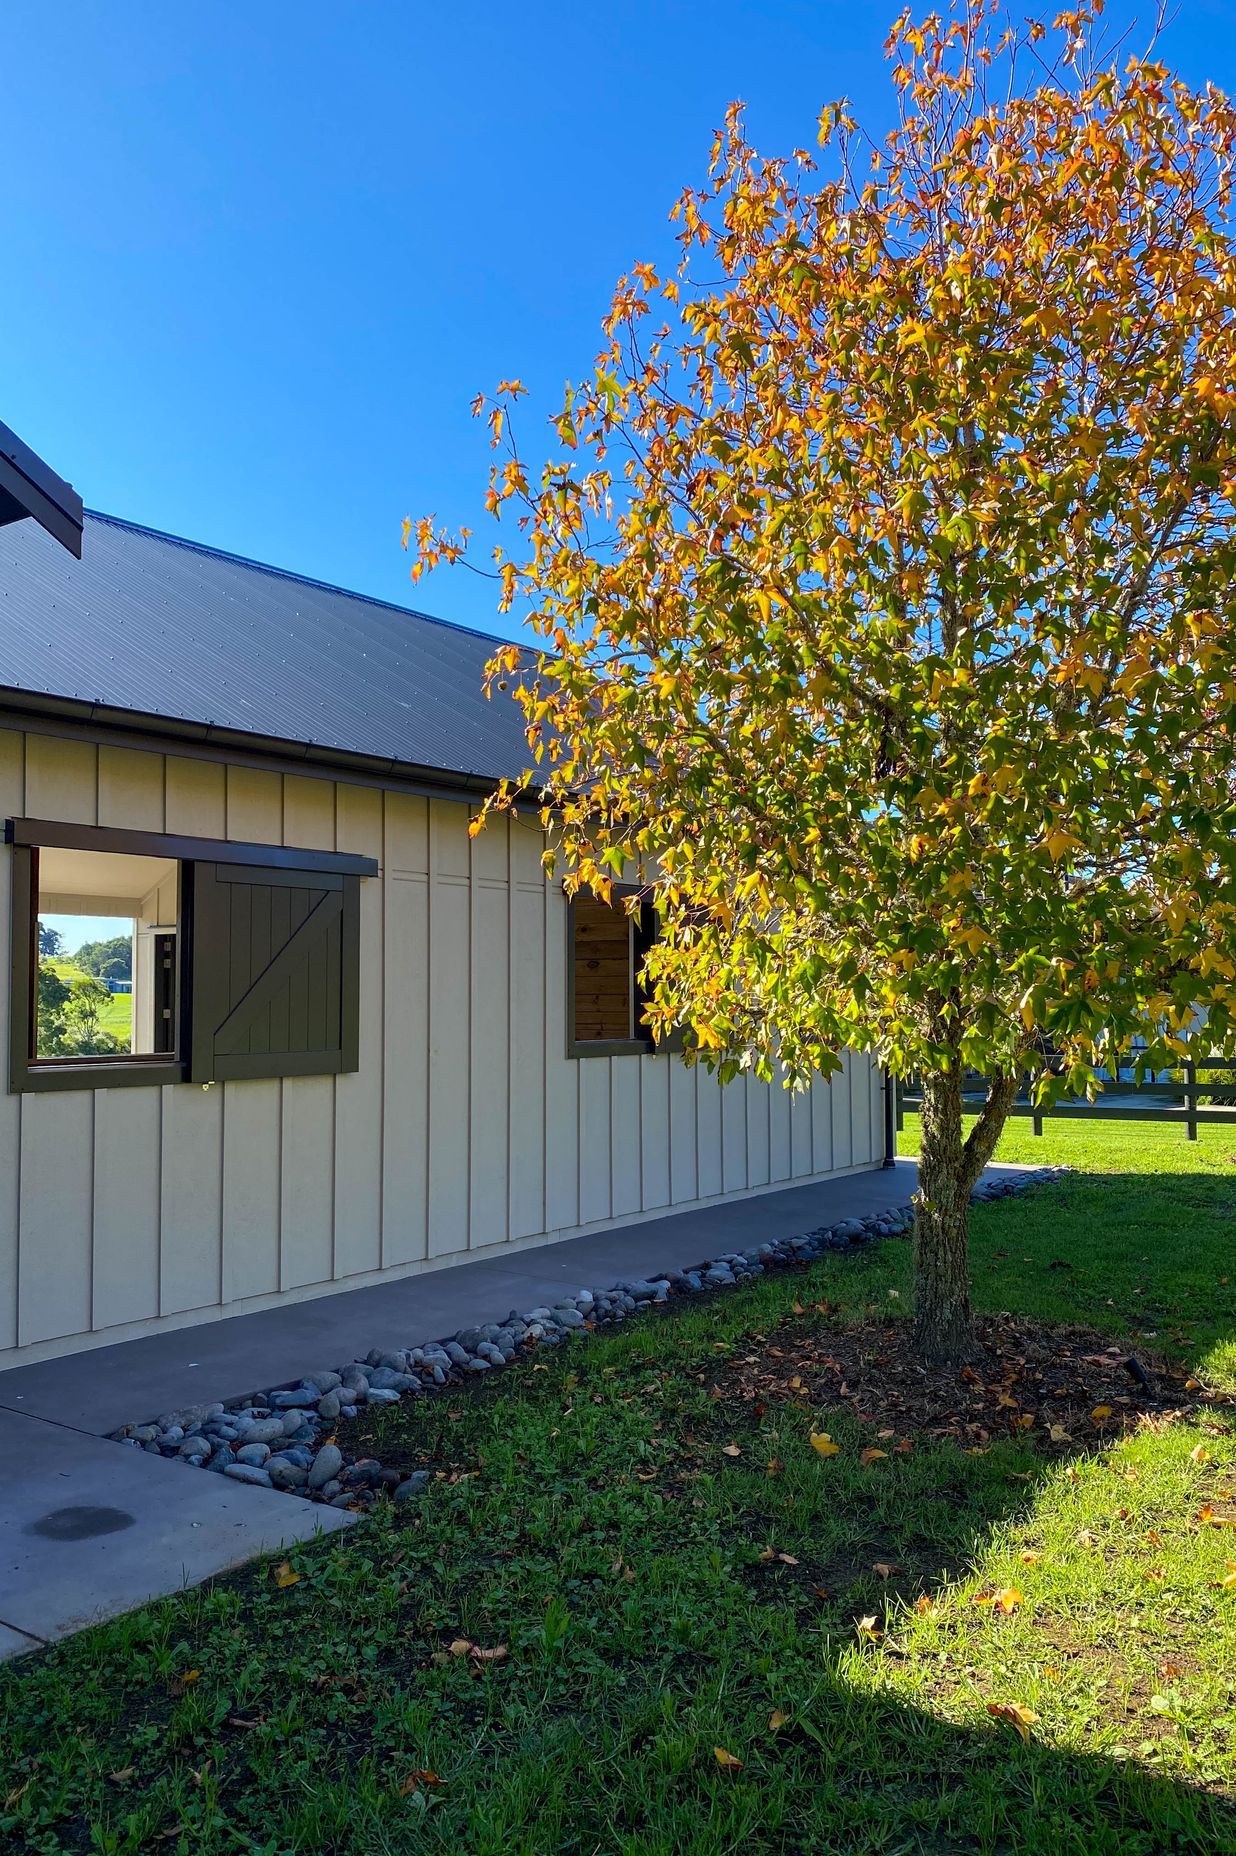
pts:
[258, 259]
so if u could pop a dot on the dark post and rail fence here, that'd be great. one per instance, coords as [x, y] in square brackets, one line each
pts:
[1113, 1104]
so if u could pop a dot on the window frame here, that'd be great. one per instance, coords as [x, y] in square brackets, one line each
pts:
[643, 1044]
[29, 1074]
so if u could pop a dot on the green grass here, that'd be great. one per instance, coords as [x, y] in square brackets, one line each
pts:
[588, 1520]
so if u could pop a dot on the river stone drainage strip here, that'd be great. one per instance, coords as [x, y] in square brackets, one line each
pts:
[272, 1438]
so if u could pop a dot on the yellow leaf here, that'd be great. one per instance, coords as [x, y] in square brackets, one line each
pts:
[1008, 1599]
[1016, 1714]
[1101, 1412]
[867, 1627]
[871, 1456]
[1029, 1559]
[191, 1675]
[728, 1762]
[971, 938]
[1059, 1435]
[1199, 1454]
[1059, 842]
[1228, 1581]
[284, 1575]
[777, 1720]
[823, 1444]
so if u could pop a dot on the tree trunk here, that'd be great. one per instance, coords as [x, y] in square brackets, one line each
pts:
[948, 1168]
[942, 1327]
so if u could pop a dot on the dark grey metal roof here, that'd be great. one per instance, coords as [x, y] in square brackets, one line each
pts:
[151, 625]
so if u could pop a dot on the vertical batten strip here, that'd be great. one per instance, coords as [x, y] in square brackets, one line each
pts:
[358, 1095]
[56, 1215]
[307, 1115]
[191, 1170]
[12, 804]
[252, 1111]
[128, 1123]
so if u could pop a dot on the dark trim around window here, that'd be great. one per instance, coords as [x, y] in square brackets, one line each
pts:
[34, 831]
[27, 1074]
[266, 865]
[643, 1044]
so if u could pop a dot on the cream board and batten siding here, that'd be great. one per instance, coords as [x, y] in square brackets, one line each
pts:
[465, 1130]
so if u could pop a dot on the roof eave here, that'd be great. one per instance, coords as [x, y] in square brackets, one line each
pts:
[409, 775]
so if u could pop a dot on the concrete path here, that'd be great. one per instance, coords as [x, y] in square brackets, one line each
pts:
[89, 1529]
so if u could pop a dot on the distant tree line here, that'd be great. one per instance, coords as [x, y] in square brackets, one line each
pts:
[107, 960]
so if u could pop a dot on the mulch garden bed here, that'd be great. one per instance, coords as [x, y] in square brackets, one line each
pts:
[1059, 1387]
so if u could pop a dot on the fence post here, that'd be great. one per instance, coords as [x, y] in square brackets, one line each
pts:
[1037, 1120]
[1191, 1099]
[898, 1085]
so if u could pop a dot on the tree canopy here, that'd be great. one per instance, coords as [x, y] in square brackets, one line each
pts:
[107, 960]
[882, 579]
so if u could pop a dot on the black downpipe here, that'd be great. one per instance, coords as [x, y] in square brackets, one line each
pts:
[890, 1118]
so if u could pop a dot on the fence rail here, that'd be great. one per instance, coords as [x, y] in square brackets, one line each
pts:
[1189, 1111]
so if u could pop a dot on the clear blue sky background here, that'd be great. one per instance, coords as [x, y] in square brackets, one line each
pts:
[257, 259]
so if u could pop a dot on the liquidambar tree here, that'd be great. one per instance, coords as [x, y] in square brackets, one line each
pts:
[883, 590]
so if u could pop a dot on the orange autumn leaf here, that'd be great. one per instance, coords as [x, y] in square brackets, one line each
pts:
[1018, 1716]
[870, 1455]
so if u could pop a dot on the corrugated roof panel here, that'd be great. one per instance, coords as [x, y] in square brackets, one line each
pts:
[146, 622]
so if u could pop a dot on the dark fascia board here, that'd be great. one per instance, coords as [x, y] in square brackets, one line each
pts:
[29, 487]
[66, 837]
[169, 734]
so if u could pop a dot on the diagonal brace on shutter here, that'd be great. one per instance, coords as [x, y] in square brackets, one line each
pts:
[269, 982]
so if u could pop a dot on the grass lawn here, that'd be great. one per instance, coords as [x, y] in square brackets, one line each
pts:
[635, 1614]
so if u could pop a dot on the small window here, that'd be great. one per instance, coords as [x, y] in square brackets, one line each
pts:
[141, 958]
[605, 1004]
[107, 957]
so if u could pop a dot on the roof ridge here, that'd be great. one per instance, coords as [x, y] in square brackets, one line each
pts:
[287, 573]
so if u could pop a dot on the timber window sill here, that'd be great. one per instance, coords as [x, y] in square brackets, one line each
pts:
[68, 1073]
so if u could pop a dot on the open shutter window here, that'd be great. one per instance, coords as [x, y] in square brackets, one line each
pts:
[275, 965]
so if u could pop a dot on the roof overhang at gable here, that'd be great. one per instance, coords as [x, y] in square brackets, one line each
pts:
[29, 487]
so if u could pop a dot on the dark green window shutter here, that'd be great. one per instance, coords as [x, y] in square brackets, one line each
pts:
[274, 963]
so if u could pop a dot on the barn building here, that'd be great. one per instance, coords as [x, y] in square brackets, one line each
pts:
[356, 1044]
